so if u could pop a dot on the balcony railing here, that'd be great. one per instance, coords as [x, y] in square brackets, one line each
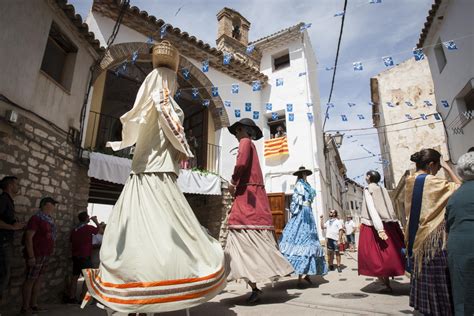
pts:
[103, 128]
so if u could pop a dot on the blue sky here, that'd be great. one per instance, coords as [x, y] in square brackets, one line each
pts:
[371, 31]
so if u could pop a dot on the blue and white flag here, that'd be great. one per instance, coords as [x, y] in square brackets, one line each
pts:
[344, 118]
[309, 104]
[268, 106]
[226, 59]
[423, 116]
[408, 116]
[350, 104]
[163, 30]
[235, 88]
[249, 50]
[248, 107]
[418, 54]
[274, 116]
[437, 116]
[256, 85]
[388, 61]
[428, 103]
[186, 74]
[134, 57]
[301, 74]
[195, 93]
[408, 103]
[358, 66]
[227, 104]
[279, 82]
[375, 1]
[330, 105]
[206, 102]
[327, 116]
[310, 117]
[205, 65]
[361, 117]
[237, 113]
[256, 115]
[305, 27]
[124, 67]
[177, 95]
[445, 103]
[339, 13]
[149, 40]
[289, 107]
[329, 68]
[371, 103]
[291, 117]
[450, 45]
[390, 104]
[215, 91]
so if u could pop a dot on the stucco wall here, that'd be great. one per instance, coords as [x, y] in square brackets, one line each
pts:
[25, 27]
[409, 81]
[457, 24]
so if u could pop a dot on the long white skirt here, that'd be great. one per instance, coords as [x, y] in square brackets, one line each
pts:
[155, 256]
[253, 255]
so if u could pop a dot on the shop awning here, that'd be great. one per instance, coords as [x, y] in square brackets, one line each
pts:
[117, 170]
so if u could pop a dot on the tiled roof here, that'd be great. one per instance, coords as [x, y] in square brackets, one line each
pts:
[288, 32]
[81, 27]
[428, 23]
[188, 45]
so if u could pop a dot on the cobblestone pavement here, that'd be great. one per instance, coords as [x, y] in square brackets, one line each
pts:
[344, 293]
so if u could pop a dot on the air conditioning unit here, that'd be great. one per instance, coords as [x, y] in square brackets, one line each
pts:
[11, 116]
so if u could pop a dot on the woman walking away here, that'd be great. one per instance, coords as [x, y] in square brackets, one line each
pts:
[426, 197]
[300, 242]
[380, 239]
[459, 226]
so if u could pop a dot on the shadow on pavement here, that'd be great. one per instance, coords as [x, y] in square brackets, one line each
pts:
[399, 289]
[206, 309]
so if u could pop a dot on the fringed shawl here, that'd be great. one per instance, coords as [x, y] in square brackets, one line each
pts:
[155, 94]
[431, 231]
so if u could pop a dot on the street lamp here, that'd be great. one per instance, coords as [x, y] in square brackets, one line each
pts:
[338, 139]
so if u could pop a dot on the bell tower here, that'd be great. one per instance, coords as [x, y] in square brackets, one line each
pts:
[233, 29]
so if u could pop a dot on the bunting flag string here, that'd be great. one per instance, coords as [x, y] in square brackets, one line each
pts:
[205, 65]
[248, 107]
[249, 50]
[388, 61]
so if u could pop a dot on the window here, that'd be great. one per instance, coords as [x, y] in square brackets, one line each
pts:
[465, 102]
[278, 126]
[59, 57]
[440, 56]
[352, 205]
[281, 60]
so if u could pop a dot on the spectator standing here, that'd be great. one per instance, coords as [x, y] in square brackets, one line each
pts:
[334, 232]
[96, 244]
[39, 241]
[8, 225]
[81, 240]
[459, 226]
[350, 228]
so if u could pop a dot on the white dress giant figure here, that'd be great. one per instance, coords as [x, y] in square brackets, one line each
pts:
[155, 256]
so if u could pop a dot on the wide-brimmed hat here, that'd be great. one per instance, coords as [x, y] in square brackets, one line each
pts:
[302, 169]
[246, 122]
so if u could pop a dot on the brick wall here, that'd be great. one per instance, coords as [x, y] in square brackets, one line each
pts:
[46, 165]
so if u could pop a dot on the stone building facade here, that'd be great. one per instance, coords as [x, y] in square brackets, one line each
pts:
[43, 84]
[404, 105]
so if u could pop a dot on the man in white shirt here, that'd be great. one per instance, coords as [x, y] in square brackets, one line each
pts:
[350, 227]
[334, 232]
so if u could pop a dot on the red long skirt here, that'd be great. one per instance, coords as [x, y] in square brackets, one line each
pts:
[381, 258]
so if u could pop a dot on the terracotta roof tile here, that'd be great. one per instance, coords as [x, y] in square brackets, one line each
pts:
[429, 21]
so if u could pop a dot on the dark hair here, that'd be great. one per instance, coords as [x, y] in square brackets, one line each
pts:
[374, 176]
[335, 212]
[6, 181]
[470, 150]
[83, 216]
[424, 157]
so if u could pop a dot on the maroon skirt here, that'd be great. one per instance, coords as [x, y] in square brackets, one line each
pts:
[381, 258]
